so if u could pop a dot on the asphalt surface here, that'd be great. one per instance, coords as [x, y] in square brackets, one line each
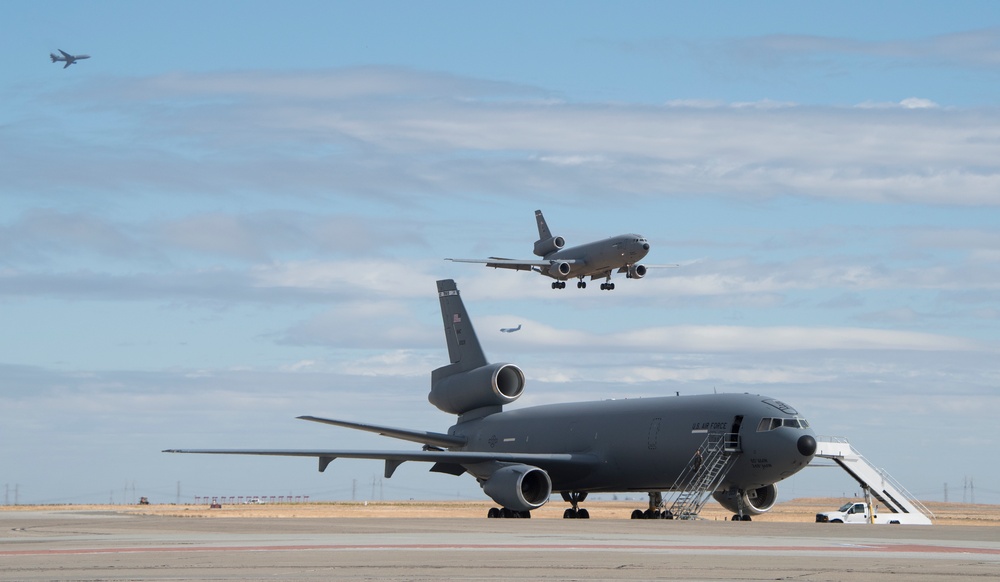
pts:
[64, 545]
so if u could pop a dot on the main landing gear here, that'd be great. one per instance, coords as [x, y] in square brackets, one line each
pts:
[655, 509]
[581, 284]
[498, 512]
[575, 498]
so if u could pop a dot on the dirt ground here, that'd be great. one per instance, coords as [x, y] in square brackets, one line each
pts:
[796, 510]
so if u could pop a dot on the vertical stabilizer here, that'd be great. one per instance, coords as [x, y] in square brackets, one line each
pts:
[464, 350]
[543, 229]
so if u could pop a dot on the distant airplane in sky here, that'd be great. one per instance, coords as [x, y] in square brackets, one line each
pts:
[510, 329]
[70, 59]
[596, 260]
[734, 447]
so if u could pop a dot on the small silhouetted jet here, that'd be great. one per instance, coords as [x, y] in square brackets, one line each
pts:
[70, 59]
[596, 260]
[734, 447]
[510, 329]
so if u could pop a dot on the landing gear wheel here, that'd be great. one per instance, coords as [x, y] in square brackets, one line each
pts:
[637, 514]
[581, 284]
[574, 498]
[493, 513]
[746, 518]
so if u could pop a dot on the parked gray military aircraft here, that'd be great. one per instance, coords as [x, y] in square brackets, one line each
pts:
[732, 446]
[596, 260]
[70, 59]
[511, 329]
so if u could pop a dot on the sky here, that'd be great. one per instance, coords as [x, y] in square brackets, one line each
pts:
[234, 213]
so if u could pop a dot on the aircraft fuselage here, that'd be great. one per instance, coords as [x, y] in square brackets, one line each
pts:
[599, 257]
[645, 443]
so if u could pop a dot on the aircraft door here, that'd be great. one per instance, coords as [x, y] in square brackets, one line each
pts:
[733, 438]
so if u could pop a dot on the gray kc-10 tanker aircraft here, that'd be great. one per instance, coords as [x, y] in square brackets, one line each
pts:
[70, 59]
[596, 260]
[734, 447]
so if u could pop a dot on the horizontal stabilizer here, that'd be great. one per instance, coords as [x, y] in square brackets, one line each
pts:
[417, 436]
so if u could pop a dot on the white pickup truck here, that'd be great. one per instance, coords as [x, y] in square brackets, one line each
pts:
[857, 512]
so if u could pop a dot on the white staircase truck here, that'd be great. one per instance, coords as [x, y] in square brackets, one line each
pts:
[901, 506]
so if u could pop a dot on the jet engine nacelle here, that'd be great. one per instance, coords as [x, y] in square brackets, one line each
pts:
[559, 269]
[519, 487]
[636, 272]
[489, 385]
[755, 501]
[549, 245]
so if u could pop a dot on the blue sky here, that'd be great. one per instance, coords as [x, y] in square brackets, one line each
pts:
[234, 214]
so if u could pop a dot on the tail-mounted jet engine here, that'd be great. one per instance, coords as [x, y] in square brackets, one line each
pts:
[549, 245]
[755, 501]
[636, 272]
[489, 385]
[519, 487]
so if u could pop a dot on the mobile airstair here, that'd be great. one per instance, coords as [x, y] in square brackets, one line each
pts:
[889, 492]
[702, 476]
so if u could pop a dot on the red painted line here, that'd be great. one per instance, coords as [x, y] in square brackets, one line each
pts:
[905, 548]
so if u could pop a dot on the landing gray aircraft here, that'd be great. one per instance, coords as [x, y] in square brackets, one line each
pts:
[596, 260]
[70, 59]
[732, 446]
[511, 329]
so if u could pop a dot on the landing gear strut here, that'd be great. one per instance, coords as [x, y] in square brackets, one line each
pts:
[739, 515]
[655, 509]
[575, 498]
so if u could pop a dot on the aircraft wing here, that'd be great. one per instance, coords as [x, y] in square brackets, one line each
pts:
[516, 264]
[65, 54]
[68, 62]
[445, 459]
[418, 436]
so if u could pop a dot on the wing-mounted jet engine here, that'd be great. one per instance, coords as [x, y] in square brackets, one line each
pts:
[753, 501]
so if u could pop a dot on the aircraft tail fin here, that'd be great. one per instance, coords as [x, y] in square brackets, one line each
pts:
[53, 57]
[464, 350]
[543, 229]
[469, 384]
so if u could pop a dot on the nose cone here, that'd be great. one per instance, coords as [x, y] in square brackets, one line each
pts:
[807, 445]
[645, 246]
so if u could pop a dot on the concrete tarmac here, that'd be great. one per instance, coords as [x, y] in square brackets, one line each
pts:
[106, 546]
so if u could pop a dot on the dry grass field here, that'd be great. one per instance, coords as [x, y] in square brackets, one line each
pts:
[796, 510]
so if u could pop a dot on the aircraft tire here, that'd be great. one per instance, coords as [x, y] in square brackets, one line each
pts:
[493, 513]
[637, 514]
[569, 513]
[583, 514]
[747, 518]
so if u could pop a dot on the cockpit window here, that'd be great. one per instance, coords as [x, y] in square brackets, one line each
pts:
[767, 424]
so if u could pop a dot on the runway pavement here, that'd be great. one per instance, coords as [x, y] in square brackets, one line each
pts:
[75, 545]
